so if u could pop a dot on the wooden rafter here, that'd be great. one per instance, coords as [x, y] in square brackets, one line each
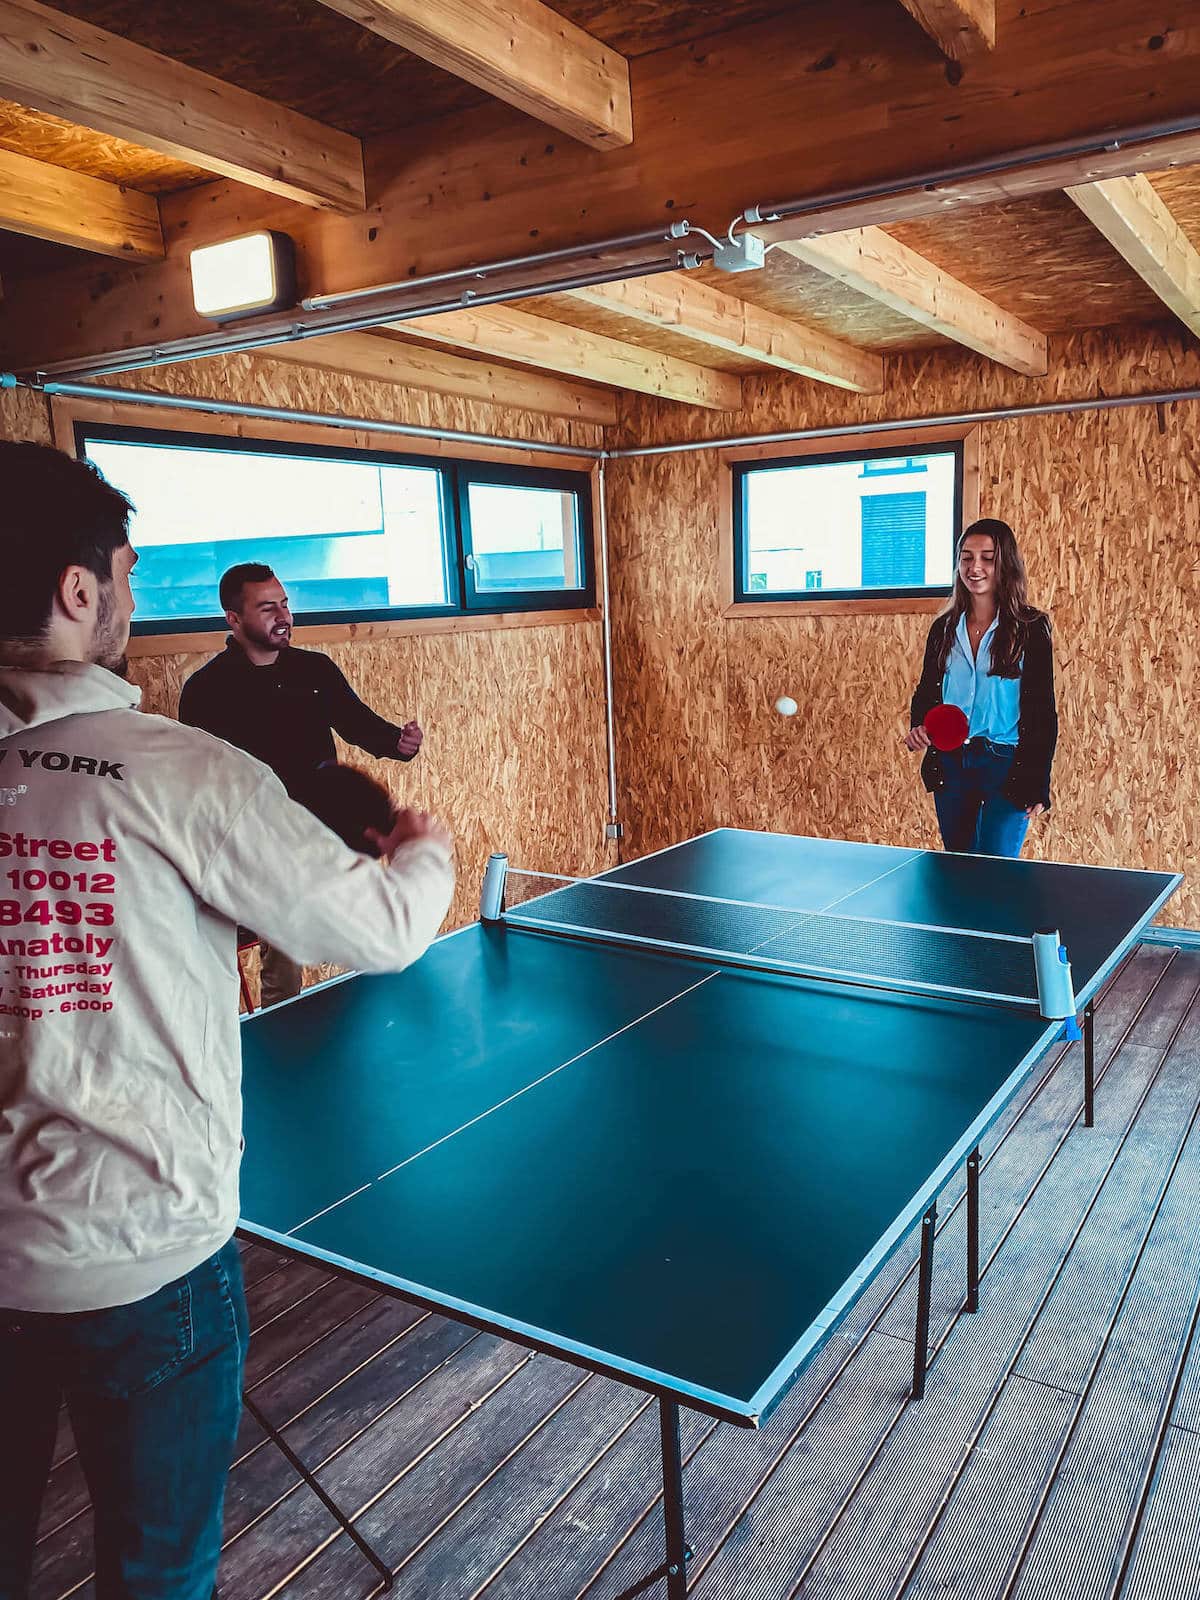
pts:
[960, 28]
[490, 185]
[57, 63]
[519, 51]
[875, 264]
[1137, 222]
[685, 306]
[47, 202]
[555, 347]
[370, 355]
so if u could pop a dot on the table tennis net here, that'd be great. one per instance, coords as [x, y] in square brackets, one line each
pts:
[916, 958]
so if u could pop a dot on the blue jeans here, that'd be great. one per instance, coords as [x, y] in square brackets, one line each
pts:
[154, 1393]
[972, 813]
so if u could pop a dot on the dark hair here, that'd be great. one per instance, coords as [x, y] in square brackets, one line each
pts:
[349, 801]
[236, 579]
[1013, 611]
[55, 512]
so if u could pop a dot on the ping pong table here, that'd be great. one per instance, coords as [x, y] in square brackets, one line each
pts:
[746, 1064]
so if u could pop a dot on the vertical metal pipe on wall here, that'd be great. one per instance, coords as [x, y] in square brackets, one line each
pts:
[606, 624]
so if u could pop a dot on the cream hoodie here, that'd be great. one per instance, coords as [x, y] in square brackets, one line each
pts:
[130, 847]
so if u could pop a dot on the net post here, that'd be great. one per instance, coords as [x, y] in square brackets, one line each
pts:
[491, 895]
[1056, 992]
[1089, 1064]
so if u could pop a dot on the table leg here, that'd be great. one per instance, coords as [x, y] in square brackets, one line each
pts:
[678, 1553]
[972, 1301]
[1089, 1064]
[924, 1290]
[331, 1506]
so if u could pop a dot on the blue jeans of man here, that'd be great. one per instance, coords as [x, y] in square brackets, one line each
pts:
[972, 811]
[154, 1394]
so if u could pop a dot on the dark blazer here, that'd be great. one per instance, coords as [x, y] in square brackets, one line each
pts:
[1037, 730]
[284, 713]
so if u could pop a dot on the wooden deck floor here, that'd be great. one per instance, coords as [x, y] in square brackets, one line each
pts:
[1055, 1455]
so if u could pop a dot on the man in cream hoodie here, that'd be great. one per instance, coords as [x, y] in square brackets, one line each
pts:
[130, 849]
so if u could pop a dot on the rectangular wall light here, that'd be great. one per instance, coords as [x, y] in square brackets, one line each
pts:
[243, 276]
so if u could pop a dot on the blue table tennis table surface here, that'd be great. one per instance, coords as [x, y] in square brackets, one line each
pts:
[678, 1173]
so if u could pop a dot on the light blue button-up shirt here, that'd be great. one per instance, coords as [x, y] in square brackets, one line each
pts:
[992, 705]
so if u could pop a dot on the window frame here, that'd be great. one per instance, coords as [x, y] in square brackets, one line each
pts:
[455, 474]
[736, 464]
[466, 474]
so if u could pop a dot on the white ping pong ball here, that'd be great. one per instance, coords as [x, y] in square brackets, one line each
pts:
[785, 706]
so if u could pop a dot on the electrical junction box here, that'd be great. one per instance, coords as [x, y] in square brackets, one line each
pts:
[745, 253]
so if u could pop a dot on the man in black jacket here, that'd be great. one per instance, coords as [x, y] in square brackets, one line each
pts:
[282, 705]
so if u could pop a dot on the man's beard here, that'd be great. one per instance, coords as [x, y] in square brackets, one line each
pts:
[264, 638]
[109, 640]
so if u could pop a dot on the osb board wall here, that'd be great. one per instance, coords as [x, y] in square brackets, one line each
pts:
[1107, 506]
[514, 754]
[25, 414]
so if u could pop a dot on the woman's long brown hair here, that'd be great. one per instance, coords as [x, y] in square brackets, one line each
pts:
[1012, 599]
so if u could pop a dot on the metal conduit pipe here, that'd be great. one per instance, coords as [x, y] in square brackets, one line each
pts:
[963, 172]
[288, 331]
[283, 330]
[606, 621]
[237, 408]
[570, 252]
[1046, 408]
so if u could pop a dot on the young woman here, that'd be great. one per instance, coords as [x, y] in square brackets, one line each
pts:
[990, 653]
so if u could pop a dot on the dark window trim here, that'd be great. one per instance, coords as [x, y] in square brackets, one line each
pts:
[742, 470]
[466, 475]
[455, 474]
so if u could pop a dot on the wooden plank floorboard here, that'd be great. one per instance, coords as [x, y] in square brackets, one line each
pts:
[1012, 1166]
[621, 1489]
[426, 1491]
[468, 1550]
[336, 1418]
[1172, 997]
[1124, 1434]
[403, 1436]
[281, 1292]
[1166, 1558]
[1100, 1478]
[869, 1539]
[488, 1474]
[745, 1481]
[335, 1358]
[296, 1330]
[995, 1497]
[1062, 1346]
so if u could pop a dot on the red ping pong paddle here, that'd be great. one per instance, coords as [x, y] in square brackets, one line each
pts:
[947, 727]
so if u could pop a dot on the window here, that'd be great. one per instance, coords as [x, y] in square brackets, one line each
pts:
[520, 537]
[352, 534]
[879, 523]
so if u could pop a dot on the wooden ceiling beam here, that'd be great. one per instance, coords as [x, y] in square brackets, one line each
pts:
[521, 52]
[555, 347]
[491, 185]
[53, 62]
[873, 263]
[47, 202]
[960, 28]
[683, 305]
[1137, 222]
[379, 356]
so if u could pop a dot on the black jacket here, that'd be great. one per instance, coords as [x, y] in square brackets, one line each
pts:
[1037, 730]
[283, 713]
